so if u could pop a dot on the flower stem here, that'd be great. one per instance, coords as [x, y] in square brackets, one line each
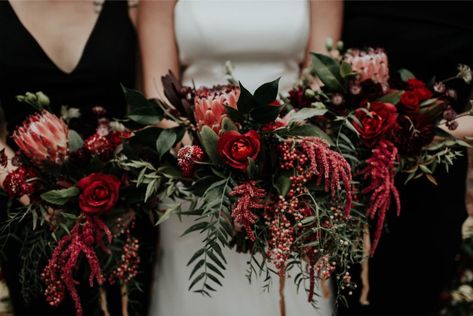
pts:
[282, 285]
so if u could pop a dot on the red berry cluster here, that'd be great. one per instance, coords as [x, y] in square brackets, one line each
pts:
[20, 182]
[127, 269]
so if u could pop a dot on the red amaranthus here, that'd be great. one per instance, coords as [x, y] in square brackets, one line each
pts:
[250, 198]
[380, 171]
[58, 274]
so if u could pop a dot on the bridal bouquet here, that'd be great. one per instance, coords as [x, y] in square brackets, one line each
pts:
[263, 181]
[83, 202]
[385, 127]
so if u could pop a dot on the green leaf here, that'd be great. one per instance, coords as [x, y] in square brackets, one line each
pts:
[195, 227]
[165, 141]
[60, 197]
[251, 169]
[75, 141]
[406, 75]
[309, 130]
[267, 113]
[146, 115]
[228, 125]
[234, 114]
[246, 101]
[346, 71]
[392, 97]
[306, 113]
[209, 140]
[196, 255]
[267, 92]
[197, 279]
[168, 213]
[197, 266]
[282, 184]
[134, 98]
[328, 71]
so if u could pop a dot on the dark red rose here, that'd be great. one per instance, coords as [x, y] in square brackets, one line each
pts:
[235, 148]
[423, 93]
[410, 101]
[415, 83]
[99, 193]
[381, 118]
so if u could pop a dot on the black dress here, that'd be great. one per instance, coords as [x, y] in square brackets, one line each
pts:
[415, 257]
[109, 58]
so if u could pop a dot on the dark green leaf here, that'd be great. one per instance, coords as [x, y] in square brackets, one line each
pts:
[251, 169]
[406, 75]
[197, 279]
[234, 114]
[392, 97]
[246, 101]
[309, 130]
[215, 259]
[165, 141]
[196, 255]
[198, 265]
[328, 71]
[282, 184]
[134, 98]
[267, 93]
[213, 278]
[146, 116]
[215, 269]
[209, 140]
[195, 227]
[265, 114]
[60, 197]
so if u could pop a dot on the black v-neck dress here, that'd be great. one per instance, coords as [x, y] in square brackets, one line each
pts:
[108, 60]
[415, 257]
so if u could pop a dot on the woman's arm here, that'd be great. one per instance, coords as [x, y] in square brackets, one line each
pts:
[157, 43]
[326, 18]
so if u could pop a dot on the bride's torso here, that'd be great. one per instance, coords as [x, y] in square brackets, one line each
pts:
[263, 39]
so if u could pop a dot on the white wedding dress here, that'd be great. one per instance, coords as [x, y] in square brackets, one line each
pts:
[264, 40]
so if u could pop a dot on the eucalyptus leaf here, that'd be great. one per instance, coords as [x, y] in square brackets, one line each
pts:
[228, 125]
[146, 115]
[209, 140]
[75, 141]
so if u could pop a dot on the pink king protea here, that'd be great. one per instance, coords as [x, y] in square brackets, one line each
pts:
[210, 105]
[43, 137]
[371, 64]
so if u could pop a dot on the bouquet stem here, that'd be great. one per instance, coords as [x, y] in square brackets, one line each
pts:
[282, 300]
[103, 302]
[124, 295]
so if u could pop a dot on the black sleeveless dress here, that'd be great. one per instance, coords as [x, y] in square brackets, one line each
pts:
[415, 257]
[109, 58]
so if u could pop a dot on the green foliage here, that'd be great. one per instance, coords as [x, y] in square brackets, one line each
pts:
[209, 141]
[327, 69]
[406, 75]
[60, 197]
[214, 222]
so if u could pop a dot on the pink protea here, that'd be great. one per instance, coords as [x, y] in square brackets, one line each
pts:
[210, 105]
[43, 137]
[370, 64]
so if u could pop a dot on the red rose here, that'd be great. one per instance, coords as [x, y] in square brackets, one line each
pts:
[99, 193]
[410, 101]
[423, 93]
[415, 83]
[235, 148]
[381, 117]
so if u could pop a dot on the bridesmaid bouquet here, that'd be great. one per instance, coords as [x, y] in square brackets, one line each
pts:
[264, 181]
[382, 126]
[83, 202]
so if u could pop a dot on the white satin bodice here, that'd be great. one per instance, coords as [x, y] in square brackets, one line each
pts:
[263, 39]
